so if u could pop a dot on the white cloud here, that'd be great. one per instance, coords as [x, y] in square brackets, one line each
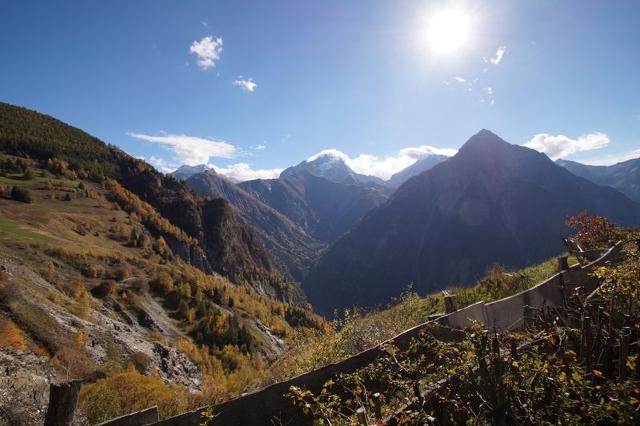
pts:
[247, 85]
[241, 172]
[190, 150]
[460, 79]
[558, 146]
[608, 160]
[162, 165]
[259, 147]
[497, 58]
[208, 51]
[384, 168]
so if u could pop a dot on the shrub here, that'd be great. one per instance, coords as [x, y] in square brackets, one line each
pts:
[77, 289]
[21, 194]
[119, 273]
[162, 283]
[131, 391]
[105, 289]
[92, 271]
[28, 175]
[140, 285]
[593, 231]
[140, 361]
[11, 336]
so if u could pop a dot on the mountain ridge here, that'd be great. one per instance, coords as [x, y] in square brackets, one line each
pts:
[291, 248]
[624, 176]
[491, 202]
[325, 209]
[29, 133]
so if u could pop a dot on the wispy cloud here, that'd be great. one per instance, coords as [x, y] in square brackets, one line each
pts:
[208, 51]
[259, 147]
[246, 84]
[241, 172]
[460, 79]
[558, 146]
[497, 58]
[384, 168]
[190, 150]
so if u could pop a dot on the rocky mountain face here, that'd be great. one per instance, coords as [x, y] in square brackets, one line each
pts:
[416, 168]
[292, 250]
[491, 202]
[324, 208]
[624, 176]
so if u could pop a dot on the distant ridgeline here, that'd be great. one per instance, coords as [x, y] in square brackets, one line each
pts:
[206, 232]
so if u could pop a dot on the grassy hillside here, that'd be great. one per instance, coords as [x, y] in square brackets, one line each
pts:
[87, 291]
[200, 232]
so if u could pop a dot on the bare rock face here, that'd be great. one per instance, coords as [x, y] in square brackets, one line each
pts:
[24, 387]
[176, 367]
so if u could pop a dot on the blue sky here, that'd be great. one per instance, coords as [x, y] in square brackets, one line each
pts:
[253, 87]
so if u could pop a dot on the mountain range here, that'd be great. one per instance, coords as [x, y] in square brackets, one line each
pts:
[292, 250]
[492, 202]
[308, 207]
[298, 214]
[624, 176]
[348, 238]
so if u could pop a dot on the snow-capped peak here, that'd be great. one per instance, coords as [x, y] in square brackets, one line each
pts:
[185, 171]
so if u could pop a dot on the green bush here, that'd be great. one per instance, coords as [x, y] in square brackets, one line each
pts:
[21, 194]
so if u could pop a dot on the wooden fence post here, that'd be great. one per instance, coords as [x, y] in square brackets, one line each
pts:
[449, 302]
[62, 403]
[362, 416]
[563, 263]
[377, 405]
[624, 351]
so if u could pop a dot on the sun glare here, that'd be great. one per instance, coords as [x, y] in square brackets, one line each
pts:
[447, 31]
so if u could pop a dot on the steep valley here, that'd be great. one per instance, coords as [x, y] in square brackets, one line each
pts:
[98, 284]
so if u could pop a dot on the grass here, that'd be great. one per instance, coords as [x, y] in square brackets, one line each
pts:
[17, 179]
[12, 230]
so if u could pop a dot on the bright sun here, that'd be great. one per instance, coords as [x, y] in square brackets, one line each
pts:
[447, 31]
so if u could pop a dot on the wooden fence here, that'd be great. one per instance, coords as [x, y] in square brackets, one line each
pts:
[270, 406]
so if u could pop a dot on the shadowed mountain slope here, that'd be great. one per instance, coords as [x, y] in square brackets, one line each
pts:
[292, 250]
[324, 208]
[416, 168]
[624, 176]
[491, 202]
